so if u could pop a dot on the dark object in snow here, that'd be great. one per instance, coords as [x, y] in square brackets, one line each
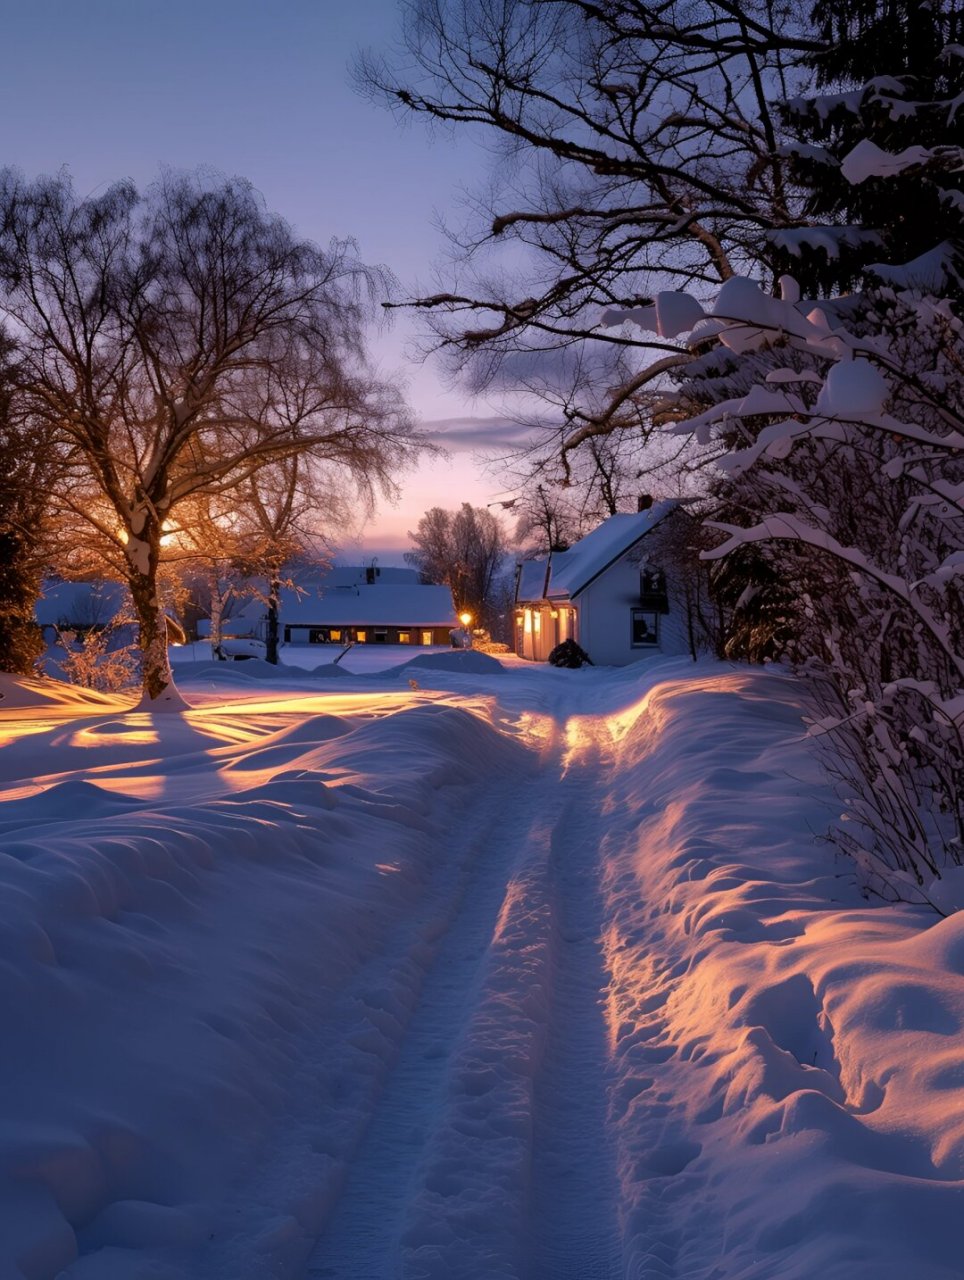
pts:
[569, 654]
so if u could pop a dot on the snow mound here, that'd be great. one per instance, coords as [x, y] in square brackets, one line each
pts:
[812, 1045]
[179, 979]
[65, 801]
[548, 966]
[248, 670]
[18, 692]
[328, 671]
[465, 661]
[256, 670]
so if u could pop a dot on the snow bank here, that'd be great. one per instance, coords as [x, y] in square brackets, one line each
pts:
[530, 976]
[465, 661]
[790, 1061]
[162, 964]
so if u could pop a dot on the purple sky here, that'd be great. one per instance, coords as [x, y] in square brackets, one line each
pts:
[119, 88]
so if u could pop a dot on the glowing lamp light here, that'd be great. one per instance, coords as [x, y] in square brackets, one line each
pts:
[465, 619]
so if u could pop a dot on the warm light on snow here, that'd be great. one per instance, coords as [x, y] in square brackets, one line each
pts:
[518, 963]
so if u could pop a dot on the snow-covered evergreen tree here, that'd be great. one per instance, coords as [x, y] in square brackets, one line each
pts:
[879, 149]
[842, 501]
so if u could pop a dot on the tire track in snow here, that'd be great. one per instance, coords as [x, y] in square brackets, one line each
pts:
[516, 999]
[574, 1232]
[363, 1239]
[270, 1224]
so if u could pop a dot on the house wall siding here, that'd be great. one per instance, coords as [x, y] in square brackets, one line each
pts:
[605, 618]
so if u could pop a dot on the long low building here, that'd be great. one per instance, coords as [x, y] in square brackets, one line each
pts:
[367, 605]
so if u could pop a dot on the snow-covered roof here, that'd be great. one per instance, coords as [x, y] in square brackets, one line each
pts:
[572, 571]
[532, 580]
[391, 604]
[341, 575]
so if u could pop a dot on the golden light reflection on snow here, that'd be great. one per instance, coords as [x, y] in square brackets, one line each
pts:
[135, 729]
[144, 786]
[147, 756]
[536, 730]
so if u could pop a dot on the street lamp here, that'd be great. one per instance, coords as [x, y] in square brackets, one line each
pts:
[465, 618]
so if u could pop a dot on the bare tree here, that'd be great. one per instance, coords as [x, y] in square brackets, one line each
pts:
[293, 508]
[545, 522]
[177, 342]
[640, 153]
[465, 550]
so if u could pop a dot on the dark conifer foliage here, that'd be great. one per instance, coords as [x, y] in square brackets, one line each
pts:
[24, 472]
[892, 74]
[20, 640]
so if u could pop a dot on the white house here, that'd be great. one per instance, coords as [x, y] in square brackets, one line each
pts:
[601, 593]
[366, 604]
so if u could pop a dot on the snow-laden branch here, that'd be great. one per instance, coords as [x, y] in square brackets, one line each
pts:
[783, 526]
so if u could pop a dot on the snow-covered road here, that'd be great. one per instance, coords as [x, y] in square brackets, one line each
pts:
[454, 972]
[503, 1063]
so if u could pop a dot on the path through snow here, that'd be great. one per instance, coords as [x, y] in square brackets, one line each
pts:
[509, 1024]
[505, 974]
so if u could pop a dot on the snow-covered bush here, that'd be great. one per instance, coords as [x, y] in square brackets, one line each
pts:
[842, 421]
[846, 463]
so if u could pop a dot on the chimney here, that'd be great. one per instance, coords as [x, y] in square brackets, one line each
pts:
[644, 502]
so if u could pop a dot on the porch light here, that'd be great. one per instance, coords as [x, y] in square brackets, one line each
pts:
[465, 619]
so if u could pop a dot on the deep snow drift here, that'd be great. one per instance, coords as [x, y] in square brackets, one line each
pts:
[461, 970]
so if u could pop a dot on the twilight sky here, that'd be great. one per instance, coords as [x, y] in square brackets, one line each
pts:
[119, 88]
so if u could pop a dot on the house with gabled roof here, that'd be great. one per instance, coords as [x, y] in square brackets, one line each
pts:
[367, 604]
[603, 593]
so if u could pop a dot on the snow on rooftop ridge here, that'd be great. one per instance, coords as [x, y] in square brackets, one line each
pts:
[364, 604]
[340, 575]
[573, 570]
[532, 579]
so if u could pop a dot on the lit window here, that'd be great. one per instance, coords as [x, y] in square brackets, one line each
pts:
[361, 637]
[426, 637]
[404, 637]
[336, 633]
